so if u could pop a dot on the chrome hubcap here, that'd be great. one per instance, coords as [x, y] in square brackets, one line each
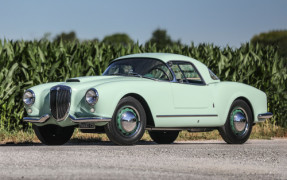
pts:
[128, 120]
[239, 121]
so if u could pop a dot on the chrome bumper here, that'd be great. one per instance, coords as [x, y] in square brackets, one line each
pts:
[89, 119]
[41, 119]
[45, 117]
[264, 116]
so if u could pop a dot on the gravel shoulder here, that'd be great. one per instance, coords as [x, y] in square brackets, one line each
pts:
[264, 159]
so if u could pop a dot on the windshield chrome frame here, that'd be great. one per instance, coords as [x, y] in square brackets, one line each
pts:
[166, 64]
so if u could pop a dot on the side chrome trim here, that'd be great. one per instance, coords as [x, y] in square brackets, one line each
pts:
[89, 119]
[264, 116]
[41, 119]
[166, 128]
[189, 129]
[194, 115]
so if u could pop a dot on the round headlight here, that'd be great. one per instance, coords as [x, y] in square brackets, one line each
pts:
[92, 96]
[29, 97]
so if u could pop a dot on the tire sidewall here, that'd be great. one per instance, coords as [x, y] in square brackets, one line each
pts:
[53, 134]
[228, 129]
[114, 133]
[163, 137]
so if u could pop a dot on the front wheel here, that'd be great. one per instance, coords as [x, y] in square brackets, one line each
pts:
[238, 125]
[163, 137]
[128, 122]
[53, 134]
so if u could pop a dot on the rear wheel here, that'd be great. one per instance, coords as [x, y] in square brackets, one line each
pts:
[238, 125]
[128, 122]
[163, 137]
[53, 134]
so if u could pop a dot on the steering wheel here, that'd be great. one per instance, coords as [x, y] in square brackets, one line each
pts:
[164, 74]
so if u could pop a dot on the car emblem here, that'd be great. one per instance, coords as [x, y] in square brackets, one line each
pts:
[58, 88]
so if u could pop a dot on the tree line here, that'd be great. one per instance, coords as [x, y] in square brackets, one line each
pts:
[161, 39]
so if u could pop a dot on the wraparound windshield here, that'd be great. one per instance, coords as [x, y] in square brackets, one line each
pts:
[143, 67]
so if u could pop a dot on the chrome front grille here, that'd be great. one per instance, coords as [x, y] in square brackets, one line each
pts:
[60, 101]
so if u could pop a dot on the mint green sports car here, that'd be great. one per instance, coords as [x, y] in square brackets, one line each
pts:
[158, 92]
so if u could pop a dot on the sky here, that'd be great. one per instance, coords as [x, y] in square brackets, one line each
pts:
[221, 22]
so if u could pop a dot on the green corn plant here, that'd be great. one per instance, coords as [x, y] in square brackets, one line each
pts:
[24, 64]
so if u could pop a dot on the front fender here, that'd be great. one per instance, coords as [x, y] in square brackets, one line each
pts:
[157, 94]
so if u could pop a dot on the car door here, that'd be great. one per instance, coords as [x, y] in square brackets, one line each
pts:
[192, 99]
[190, 91]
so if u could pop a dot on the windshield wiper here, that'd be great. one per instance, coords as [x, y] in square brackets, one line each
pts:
[134, 74]
[129, 74]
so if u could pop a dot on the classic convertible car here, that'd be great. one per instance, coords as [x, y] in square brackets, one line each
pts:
[158, 92]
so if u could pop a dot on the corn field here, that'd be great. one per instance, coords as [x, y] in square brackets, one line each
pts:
[24, 64]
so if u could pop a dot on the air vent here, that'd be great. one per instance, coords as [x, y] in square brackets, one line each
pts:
[72, 80]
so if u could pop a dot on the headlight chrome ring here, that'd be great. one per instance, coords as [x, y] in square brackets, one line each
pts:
[92, 96]
[29, 97]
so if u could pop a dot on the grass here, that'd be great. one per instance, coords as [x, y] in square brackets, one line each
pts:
[15, 137]
[264, 130]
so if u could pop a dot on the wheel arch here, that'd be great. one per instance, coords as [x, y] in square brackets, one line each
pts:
[150, 120]
[249, 104]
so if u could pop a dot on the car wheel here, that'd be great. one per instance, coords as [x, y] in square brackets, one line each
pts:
[238, 125]
[53, 134]
[128, 122]
[163, 137]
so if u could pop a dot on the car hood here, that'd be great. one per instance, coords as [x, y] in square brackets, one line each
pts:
[92, 81]
[91, 78]
[81, 84]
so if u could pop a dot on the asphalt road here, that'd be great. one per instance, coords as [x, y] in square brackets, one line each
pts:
[257, 159]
